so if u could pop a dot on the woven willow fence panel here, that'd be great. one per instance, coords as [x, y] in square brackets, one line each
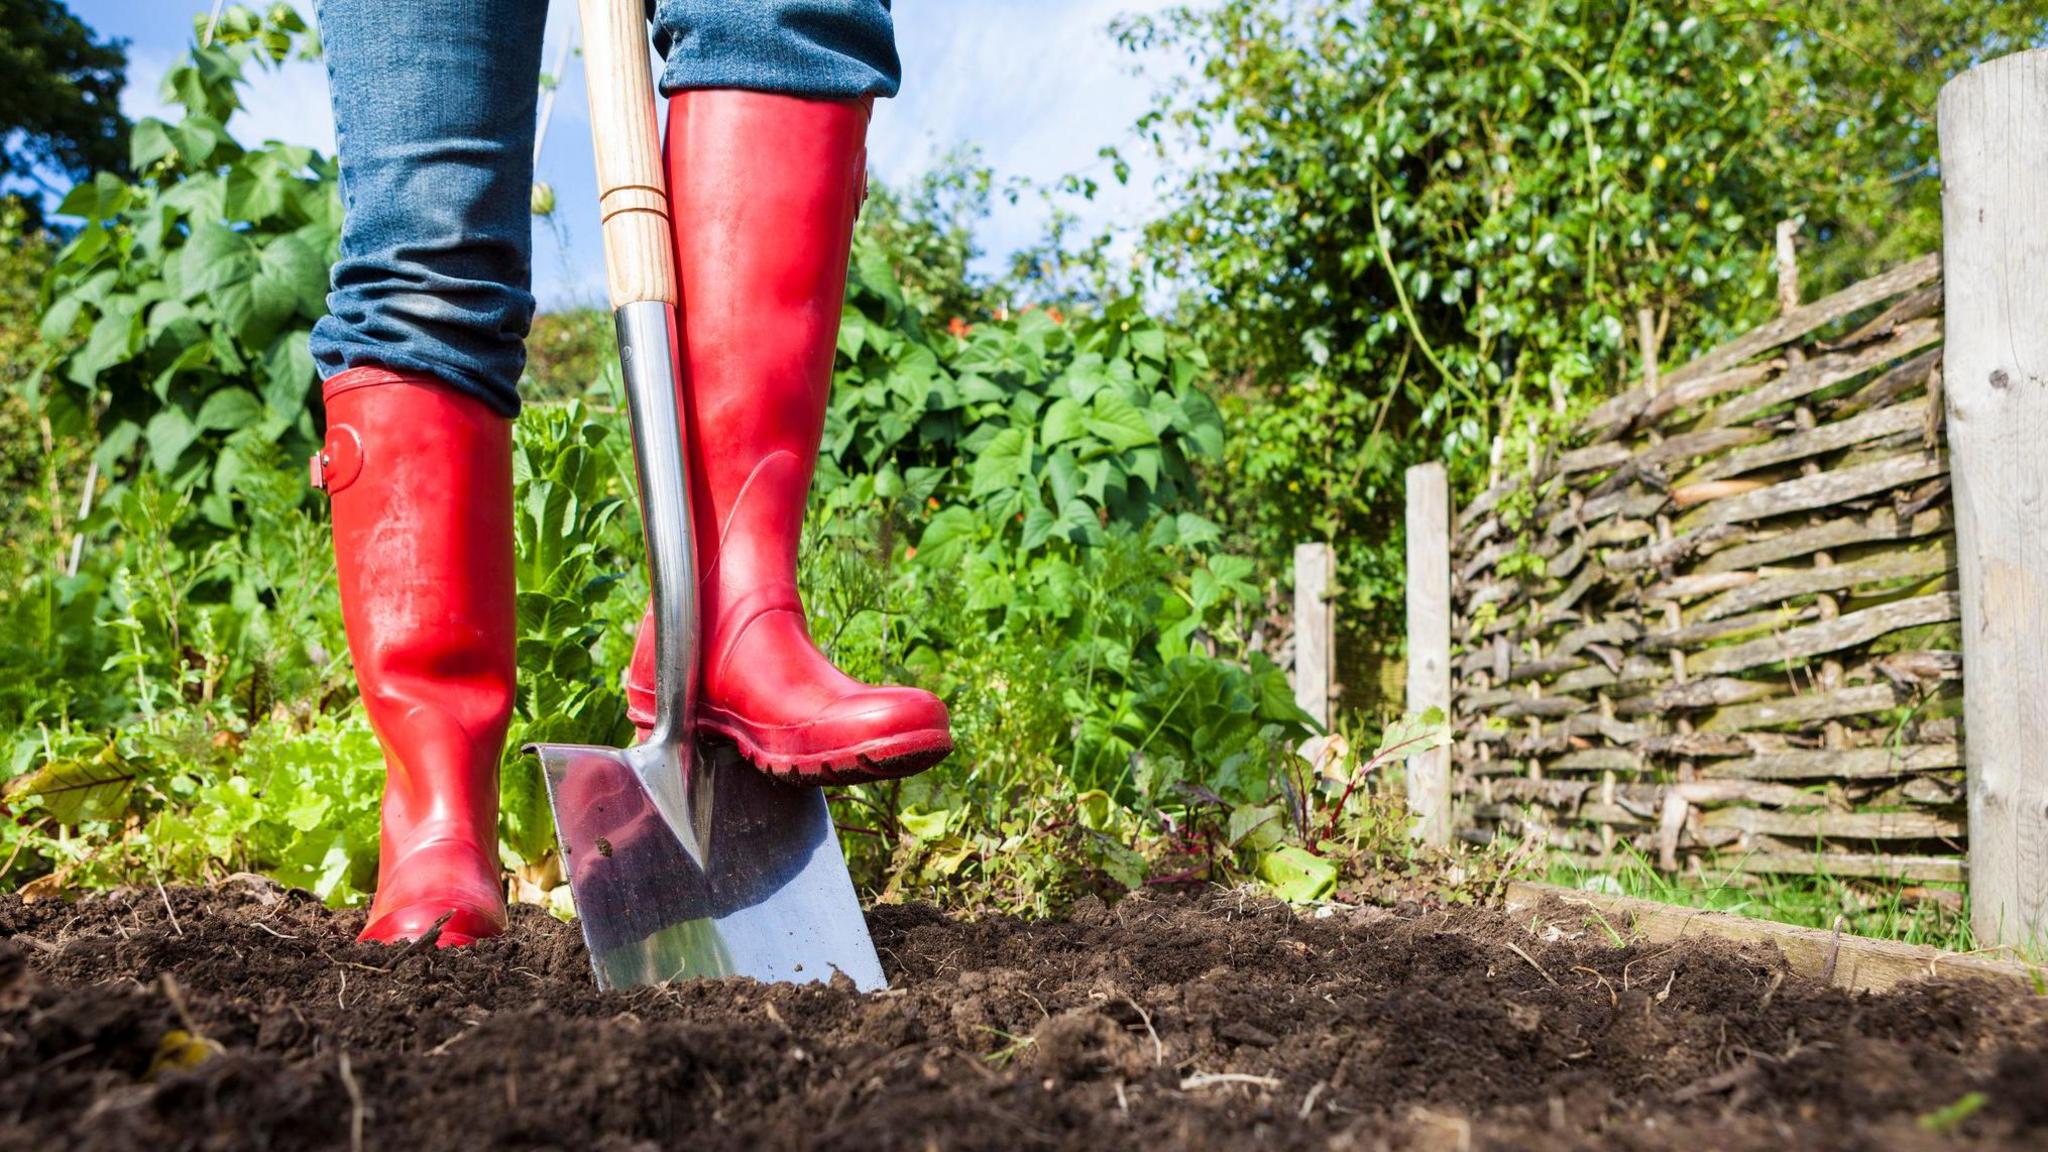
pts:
[1717, 626]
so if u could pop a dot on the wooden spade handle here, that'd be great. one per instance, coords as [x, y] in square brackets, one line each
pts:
[631, 189]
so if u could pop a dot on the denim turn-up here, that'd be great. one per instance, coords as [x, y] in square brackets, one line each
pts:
[434, 105]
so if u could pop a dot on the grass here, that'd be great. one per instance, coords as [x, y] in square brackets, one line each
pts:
[1874, 908]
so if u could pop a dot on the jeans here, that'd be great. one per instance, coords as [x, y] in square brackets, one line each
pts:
[434, 105]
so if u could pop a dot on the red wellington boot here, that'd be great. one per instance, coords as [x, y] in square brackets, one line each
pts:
[763, 190]
[420, 477]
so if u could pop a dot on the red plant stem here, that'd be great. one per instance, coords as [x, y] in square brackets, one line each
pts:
[1187, 876]
[1357, 778]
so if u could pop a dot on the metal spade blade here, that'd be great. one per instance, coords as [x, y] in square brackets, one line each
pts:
[746, 880]
[687, 865]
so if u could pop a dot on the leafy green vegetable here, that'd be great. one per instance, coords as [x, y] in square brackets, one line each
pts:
[1297, 876]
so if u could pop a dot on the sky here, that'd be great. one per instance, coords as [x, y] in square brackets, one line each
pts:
[1038, 85]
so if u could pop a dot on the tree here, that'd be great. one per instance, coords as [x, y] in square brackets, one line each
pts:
[60, 95]
[1427, 230]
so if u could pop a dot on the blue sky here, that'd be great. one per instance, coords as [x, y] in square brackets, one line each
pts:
[1036, 84]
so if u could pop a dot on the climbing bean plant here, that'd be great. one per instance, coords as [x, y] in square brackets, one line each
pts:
[179, 311]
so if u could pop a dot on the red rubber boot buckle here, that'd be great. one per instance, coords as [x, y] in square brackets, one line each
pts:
[339, 461]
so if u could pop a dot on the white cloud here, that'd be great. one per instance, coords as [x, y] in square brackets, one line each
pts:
[288, 104]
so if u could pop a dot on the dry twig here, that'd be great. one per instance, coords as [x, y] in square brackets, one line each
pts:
[355, 1106]
[1215, 1079]
[166, 896]
[1158, 1049]
[1517, 950]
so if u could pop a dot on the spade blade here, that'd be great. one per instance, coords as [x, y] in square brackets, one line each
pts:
[699, 866]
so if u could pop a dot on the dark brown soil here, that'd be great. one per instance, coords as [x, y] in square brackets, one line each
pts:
[1159, 1023]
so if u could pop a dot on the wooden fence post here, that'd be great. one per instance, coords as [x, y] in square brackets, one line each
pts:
[1315, 629]
[1994, 169]
[1429, 643]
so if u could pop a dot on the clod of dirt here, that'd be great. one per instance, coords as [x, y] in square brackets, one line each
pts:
[1161, 1022]
[1084, 1044]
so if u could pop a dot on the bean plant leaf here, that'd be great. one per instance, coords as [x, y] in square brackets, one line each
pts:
[1247, 819]
[228, 409]
[1000, 466]
[1064, 420]
[288, 374]
[1415, 733]
[1115, 419]
[169, 433]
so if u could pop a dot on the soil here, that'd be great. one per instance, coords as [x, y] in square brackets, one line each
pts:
[244, 1016]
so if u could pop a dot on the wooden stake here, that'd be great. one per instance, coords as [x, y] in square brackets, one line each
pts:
[1788, 266]
[1315, 629]
[1994, 166]
[1429, 644]
[1646, 346]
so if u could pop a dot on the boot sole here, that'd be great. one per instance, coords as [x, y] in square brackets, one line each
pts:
[886, 758]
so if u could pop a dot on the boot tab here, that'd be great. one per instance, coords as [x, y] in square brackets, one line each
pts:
[339, 461]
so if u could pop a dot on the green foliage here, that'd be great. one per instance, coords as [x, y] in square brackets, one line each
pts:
[189, 800]
[1944, 1120]
[1298, 876]
[60, 93]
[1033, 435]
[1937, 915]
[32, 458]
[301, 806]
[1008, 518]
[1411, 229]
[178, 314]
[574, 543]
[144, 762]
[926, 230]
[174, 325]
[565, 352]
[1007, 512]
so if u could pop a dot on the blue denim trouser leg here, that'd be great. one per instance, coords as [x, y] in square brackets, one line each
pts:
[829, 49]
[434, 104]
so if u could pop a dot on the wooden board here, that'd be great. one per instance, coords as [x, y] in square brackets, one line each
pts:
[1827, 636]
[1836, 825]
[1817, 491]
[1856, 963]
[1839, 763]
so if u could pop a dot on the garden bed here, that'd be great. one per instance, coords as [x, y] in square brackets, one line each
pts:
[1160, 1022]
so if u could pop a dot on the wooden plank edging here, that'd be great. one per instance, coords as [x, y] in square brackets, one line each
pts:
[1856, 963]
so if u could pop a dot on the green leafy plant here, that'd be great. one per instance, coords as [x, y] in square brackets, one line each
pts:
[1010, 510]
[1009, 506]
[575, 540]
[1412, 231]
[181, 799]
[179, 312]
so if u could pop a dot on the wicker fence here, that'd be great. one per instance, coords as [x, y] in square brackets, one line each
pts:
[1729, 618]
[1719, 623]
